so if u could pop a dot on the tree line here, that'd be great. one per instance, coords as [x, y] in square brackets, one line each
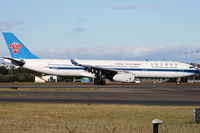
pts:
[17, 75]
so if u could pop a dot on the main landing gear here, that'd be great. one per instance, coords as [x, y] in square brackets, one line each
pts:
[100, 79]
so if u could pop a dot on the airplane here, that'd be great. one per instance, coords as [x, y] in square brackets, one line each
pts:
[100, 70]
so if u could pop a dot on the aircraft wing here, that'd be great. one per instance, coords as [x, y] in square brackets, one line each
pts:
[102, 73]
[96, 69]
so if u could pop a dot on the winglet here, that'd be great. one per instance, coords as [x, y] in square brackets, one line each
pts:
[74, 62]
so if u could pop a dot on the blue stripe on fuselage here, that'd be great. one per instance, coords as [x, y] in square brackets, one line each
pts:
[132, 69]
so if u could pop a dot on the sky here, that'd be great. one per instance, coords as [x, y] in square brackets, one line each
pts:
[105, 29]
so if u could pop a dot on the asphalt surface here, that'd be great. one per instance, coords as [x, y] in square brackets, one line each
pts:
[145, 94]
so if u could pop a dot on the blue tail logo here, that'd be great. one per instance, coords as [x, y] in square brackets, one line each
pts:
[16, 47]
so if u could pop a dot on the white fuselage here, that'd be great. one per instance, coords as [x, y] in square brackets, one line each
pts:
[151, 69]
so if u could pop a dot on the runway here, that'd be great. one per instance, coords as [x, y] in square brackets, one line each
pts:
[145, 94]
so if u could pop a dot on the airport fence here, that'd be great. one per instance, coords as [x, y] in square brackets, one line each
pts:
[48, 126]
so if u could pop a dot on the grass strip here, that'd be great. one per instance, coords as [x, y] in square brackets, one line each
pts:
[90, 118]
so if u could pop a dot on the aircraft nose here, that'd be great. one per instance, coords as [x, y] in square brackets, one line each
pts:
[198, 70]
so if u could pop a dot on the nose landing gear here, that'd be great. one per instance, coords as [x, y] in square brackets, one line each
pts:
[178, 81]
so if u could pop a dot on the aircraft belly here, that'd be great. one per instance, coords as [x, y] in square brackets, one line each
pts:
[45, 70]
[184, 74]
[148, 74]
[66, 72]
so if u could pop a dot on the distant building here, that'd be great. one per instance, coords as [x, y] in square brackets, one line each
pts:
[47, 78]
[81, 79]
[8, 66]
[11, 66]
[2, 64]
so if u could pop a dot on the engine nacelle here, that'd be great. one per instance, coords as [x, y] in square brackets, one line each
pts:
[124, 77]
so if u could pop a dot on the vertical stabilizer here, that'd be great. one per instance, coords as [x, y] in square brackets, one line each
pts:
[16, 47]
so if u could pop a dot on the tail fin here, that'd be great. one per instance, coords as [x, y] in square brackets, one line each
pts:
[16, 48]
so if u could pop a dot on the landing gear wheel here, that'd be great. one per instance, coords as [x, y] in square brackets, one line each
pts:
[96, 81]
[178, 81]
[103, 83]
[99, 82]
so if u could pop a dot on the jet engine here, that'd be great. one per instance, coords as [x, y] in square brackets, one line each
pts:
[124, 77]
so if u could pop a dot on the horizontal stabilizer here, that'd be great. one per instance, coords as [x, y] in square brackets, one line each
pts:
[15, 62]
